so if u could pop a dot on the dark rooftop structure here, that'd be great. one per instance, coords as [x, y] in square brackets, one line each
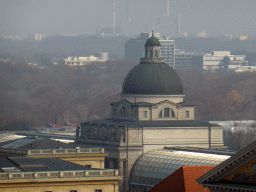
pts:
[34, 143]
[152, 79]
[152, 41]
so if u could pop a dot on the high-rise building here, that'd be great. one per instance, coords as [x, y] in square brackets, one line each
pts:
[168, 51]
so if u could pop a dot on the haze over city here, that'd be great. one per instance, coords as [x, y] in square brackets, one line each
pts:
[127, 95]
[22, 17]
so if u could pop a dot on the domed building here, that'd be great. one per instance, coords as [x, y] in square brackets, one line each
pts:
[151, 114]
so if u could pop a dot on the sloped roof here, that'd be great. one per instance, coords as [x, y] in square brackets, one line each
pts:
[30, 164]
[183, 180]
[34, 143]
[218, 178]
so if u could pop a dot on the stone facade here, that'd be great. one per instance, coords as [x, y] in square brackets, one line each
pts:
[154, 119]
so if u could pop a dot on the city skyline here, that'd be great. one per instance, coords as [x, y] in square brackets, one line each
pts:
[21, 17]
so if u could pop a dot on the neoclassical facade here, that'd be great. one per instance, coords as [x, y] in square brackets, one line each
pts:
[151, 114]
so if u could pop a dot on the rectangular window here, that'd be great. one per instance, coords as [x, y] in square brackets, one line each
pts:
[98, 190]
[145, 114]
[166, 112]
[187, 114]
[73, 190]
[89, 166]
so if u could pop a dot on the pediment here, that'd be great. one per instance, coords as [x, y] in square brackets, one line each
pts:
[244, 174]
[239, 168]
[166, 102]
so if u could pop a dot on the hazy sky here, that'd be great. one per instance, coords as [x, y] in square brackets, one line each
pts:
[215, 17]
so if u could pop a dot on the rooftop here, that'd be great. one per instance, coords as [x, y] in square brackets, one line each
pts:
[38, 168]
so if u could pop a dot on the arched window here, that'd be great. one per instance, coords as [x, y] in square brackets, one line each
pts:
[166, 112]
[123, 111]
[172, 113]
[155, 54]
[150, 53]
[161, 114]
[146, 53]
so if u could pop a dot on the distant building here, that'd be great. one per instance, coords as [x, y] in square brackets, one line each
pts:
[81, 61]
[220, 59]
[51, 174]
[168, 51]
[134, 48]
[243, 38]
[187, 60]
[238, 68]
[201, 34]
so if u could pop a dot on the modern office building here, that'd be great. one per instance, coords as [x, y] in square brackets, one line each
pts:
[168, 51]
[221, 59]
[134, 48]
[187, 60]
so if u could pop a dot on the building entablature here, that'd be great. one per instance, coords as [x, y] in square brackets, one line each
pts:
[134, 98]
[164, 110]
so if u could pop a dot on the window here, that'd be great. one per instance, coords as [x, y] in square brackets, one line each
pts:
[172, 113]
[123, 111]
[114, 111]
[135, 114]
[155, 54]
[150, 53]
[145, 114]
[161, 114]
[146, 53]
[89, 166]
[98, 190]
[187, 114]
[166, 112]
[73, 190]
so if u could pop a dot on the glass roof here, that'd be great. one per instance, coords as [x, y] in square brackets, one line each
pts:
[154, 166]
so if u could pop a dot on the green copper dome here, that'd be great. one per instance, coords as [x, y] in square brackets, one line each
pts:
[152, 79]
[152, 41]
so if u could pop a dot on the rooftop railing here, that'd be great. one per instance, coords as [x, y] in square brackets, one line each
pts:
[52, 151]
[58, 174]
[66, 151]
